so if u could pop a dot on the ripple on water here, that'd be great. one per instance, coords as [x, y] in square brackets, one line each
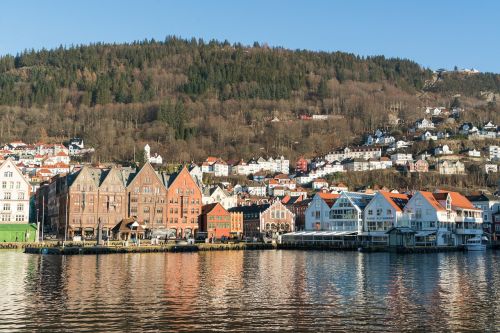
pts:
[250, 291]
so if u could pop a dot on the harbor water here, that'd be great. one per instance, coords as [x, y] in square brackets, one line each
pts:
[243, 291]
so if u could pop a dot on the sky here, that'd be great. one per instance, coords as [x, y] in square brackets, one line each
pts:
[436, 34]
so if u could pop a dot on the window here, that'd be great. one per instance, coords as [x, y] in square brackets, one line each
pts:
[4, 185]
[20, 207]
[6, 195]
[20, 195]
[6, 206]
[19, 218]
[146, 209]
[18, 185]
[379, 212]
[370, 212]
[8, 174]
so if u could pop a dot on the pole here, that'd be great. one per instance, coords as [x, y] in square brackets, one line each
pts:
[66, 218]
[37, 227]
[43, 214]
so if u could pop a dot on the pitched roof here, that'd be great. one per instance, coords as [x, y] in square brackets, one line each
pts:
[397, 200]
[457, 200]
[205, 209]
[432, 200]
[328, 196]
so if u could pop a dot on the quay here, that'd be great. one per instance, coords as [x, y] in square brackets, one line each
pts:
[73, 249]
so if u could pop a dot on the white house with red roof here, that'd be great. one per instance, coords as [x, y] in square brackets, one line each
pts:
[317, 215]
[319, 183]
[442, 218]
[382, 213]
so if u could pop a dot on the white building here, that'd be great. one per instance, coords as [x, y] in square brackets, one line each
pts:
[401, 158]
[494, 153]
[14, 194]
[442, 218]
[156, 159]
[354, 152]
[317, 213]
[424, 124]
[382, 213]
[346, 213]
[217, 194]
[443, 150]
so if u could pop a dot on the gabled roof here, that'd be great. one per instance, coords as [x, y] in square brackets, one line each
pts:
[205, 209]
[397, 200]
[432, 200]
[457, 200]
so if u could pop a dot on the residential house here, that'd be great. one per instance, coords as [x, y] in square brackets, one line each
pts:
[301, 165]
[473, 153]
[319, 183]
[446, 167]
[354, 152]
[490, 168]
[216, 194]
[427, 136]
[401, 158]
[419, 165]
[494, 153]
[424, 124]
[443, 150]
[468, 129]
[153, 159]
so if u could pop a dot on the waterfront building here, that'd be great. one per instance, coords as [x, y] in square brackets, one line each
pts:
[276, 220]
[236, 224]
[490, 205]
[383, 213]
[215, 221]
[146, 197]
[442, 218]
[317, 213]
[346, 214]
[14, 194]
[184, 202]
[251, 218]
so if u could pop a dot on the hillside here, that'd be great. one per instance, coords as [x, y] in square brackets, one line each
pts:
[190, 98]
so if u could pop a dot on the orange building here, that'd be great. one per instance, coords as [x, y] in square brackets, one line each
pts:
[184, 204]
[236, 224]
[215, 220]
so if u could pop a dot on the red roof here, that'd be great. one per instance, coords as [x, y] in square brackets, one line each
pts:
[457, 200]
[394, 199]
[429, 196]
[61, 153]
[328, 196]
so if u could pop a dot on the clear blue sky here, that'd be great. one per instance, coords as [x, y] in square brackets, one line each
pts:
[437, 33]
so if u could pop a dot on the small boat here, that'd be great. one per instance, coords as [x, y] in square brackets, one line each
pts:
[475, 244]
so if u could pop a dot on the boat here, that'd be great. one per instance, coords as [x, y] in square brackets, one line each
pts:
[475, 244]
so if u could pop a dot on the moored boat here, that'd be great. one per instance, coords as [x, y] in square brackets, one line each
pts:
[475, 244]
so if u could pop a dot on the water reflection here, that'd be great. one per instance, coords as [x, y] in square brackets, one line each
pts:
[254, 290]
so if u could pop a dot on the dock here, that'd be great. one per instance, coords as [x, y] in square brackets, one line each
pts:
[174, 248]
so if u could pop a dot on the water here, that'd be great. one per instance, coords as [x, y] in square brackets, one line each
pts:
[250, 291]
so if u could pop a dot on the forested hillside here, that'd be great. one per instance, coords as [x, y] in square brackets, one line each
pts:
[190, 98]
